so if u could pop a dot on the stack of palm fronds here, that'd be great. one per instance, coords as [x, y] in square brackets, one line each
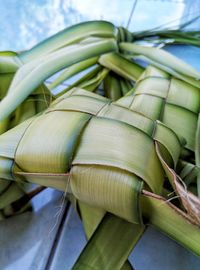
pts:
[118, 157]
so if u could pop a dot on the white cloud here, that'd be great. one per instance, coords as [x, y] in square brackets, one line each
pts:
[115, 11]
[150, 14]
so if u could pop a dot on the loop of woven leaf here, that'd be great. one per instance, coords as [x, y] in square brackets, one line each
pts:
[176, 103]
[110, 148]
[170, 100]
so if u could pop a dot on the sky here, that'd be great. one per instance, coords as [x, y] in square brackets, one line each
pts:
[23, 23]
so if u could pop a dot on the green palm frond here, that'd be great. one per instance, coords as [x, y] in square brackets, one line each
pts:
[75, 152]
[36, 102]
[116, 160]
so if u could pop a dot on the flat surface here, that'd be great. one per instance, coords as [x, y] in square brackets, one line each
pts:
[26, 240]
[52, 238]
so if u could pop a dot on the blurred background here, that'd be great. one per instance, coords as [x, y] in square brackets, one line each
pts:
[52, 236]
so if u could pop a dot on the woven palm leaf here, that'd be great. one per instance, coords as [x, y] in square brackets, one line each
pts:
[113, 159]
[176, 103]
[105, 155]
[14, 65]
